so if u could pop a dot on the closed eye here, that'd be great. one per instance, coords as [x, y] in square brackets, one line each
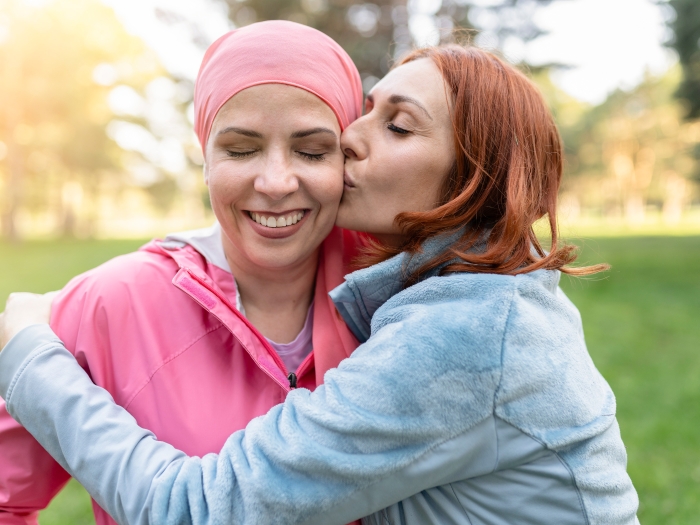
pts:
[239, 154]
[312, 156]
[400, 131]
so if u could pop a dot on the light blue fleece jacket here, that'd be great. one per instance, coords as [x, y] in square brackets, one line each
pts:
[472, 400]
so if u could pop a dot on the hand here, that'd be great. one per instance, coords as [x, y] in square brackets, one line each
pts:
[23, 310]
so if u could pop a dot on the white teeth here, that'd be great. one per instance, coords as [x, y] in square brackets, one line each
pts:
[279, 222]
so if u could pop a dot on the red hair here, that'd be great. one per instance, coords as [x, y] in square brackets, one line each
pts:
[506, 175]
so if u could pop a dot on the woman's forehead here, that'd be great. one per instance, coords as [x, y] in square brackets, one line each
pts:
[419, 80]
[280, 104]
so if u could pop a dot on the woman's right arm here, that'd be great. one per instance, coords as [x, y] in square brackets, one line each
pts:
[382, 428]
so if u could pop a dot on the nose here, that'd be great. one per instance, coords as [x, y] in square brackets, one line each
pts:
[276, 179]
[351, 141]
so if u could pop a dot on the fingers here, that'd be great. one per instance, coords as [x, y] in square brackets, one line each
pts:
[26, 299]
[52, 295]
[23, 310]
[23, 296]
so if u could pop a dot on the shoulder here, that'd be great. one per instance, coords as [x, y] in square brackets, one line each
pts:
[461, 314]
[124, 302]
[139, 270]
[534, 297]
[489, 310]
[139, 266]
[442, 300]
[143, 277]
[540, 311]
[484, 295]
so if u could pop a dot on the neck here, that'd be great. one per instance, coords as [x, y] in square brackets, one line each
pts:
[276, 300]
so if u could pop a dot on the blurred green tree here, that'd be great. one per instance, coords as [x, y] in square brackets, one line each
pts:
[686, 41]
[58, 60]
[378, 32]
[632, 152]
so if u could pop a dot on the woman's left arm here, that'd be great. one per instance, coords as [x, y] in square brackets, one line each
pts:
[380, 429]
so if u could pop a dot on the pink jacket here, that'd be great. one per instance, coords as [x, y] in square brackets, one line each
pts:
[159, 330]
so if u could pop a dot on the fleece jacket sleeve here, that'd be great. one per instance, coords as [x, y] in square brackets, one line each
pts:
[29, 476]
[67, 411]
[406, 412]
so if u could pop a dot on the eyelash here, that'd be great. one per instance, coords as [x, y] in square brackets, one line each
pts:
[307, 156]
[312, 156]
[239, 154]
[396, 129]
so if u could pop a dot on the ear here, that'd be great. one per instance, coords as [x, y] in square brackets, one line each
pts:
[205, 172]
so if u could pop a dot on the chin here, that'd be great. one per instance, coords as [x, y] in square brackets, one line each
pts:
[278, 259]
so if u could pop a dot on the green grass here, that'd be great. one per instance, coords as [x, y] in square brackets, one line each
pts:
[642, 323]
[49, 265]
[71, 507]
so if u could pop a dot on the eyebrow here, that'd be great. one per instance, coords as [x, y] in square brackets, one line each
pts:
[241, 131]
[295, 135]
[306, 132]
[398, 99]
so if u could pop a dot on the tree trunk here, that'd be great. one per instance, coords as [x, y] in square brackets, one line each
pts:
[11, 74]
[14, 193]
[675, 198]
[635, 208]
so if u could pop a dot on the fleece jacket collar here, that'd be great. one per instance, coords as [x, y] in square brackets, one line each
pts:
[366, 290]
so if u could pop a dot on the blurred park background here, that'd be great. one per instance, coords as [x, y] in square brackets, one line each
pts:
[97, 154]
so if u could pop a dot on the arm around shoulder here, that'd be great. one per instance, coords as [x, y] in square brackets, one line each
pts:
[29, 476]
[379, 430]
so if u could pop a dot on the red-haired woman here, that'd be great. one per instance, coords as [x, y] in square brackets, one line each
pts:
[472, 398]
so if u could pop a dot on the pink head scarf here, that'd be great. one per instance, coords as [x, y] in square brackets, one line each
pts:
[276, 52]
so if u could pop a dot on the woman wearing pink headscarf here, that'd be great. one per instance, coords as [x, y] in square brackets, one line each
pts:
[199, 333]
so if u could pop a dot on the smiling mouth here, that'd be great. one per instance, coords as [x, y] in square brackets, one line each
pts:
[277, 220]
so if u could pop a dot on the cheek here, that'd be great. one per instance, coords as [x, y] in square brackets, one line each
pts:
[326, 186]
[428, 163]
[418, 186]
[225, 185]
[397, 171]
